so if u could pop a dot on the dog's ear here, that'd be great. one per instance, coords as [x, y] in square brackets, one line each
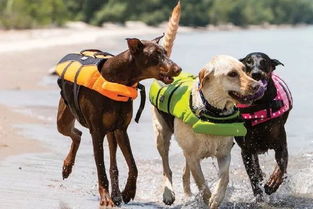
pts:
[275, 62]
[242, 60]
[135, 45]
[157, 39]
[204, 76]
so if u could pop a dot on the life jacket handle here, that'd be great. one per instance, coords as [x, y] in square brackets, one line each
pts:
[96, 53]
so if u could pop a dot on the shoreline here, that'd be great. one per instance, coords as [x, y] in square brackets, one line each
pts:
[12, 140]
[79, 32]
[50, 45]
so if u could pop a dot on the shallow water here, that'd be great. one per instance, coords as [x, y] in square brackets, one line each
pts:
[35, 181]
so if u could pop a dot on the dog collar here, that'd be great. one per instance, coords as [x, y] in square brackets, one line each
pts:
[213, 111]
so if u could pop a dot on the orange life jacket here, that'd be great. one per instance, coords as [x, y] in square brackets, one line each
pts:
[84, 69]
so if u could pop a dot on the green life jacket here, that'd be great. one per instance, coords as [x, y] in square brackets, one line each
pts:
[175, 99]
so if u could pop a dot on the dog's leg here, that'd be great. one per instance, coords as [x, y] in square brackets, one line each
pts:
[281, 156]
[250, 161]
[257, 168]
[123, 142]
[186, 180]
[115, 193]
[97, 140]
[163, 137]
[219, 192]
[65, 124]
[195, 168]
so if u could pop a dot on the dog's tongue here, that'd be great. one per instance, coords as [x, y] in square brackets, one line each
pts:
[259, 93]
[167, 79]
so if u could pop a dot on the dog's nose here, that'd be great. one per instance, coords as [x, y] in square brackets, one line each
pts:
[177, 70]
[256, 76]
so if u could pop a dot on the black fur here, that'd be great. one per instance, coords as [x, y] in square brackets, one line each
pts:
[267, 135]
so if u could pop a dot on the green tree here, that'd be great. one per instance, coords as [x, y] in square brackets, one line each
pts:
[22, 14]
[38, 13]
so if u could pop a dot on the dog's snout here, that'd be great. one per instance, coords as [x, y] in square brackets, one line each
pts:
[177, 70]
[255, 86]
[256, 75]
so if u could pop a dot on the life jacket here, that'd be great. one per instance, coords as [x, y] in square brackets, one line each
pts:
[84, 69]
[283, 102]
[176, 99]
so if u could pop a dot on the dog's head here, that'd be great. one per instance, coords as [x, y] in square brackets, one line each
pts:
[259, 66]
[151, 60]
[223, 79]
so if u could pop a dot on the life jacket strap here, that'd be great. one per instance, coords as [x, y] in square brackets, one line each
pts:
[76, 90]
[96, 53]
[61, 82]
[274, 105]
[142, 101]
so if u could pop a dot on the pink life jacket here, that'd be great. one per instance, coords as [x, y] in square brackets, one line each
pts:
[282, 103]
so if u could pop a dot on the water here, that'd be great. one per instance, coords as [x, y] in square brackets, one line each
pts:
[34, 180]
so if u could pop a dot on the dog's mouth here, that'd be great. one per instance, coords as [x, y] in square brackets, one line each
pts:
[261, 90]
[167, 73]
[239, 97]
[248, 99]
[166, 78]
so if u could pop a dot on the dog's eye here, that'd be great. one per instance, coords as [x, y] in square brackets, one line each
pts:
[233, 74]
[249, 61]
[262, 62]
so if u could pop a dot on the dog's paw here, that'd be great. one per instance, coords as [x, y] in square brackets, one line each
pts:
[117, 197]
[273, 184]
[66, 171]
[213, 202]
[105, 199]
[107, 202]
[129, 193]
[188, 195]
[168, 196]
[270, 190]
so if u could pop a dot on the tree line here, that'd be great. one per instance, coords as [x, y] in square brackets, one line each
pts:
[21, 14]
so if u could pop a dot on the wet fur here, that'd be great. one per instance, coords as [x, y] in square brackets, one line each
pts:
[215, 85]
[267, 135]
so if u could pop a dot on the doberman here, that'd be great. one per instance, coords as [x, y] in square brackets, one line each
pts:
[268, 130]
[106, 117]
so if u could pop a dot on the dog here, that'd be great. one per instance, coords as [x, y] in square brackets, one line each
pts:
[220, 85]
[265, 131]
[106, 117]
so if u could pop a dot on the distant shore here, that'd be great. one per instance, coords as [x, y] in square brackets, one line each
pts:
[79, 32]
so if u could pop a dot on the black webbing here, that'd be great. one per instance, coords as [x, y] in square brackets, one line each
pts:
[142, 101]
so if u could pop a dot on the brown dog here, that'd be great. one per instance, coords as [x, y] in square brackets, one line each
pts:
[106, 117]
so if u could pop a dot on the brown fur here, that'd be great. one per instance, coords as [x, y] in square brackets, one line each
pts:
[105, 117]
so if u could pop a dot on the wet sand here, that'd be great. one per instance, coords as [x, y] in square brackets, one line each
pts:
[32, 150]
[12, 142]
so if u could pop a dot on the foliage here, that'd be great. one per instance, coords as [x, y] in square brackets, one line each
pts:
[31, 13]
[37, 13]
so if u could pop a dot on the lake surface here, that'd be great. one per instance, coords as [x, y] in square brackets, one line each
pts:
[35, 181]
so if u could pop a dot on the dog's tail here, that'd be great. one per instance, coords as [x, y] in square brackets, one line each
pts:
[172, 28]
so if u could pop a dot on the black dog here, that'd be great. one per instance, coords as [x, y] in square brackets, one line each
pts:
[265, 131]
